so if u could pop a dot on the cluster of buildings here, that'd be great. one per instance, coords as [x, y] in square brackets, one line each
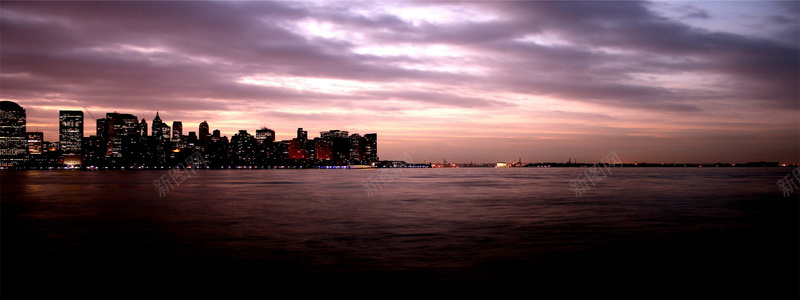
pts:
[125, 141]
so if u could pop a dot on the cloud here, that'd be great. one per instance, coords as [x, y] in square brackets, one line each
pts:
[396, 57]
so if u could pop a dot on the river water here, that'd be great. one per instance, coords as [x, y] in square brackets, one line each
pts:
[704, 231]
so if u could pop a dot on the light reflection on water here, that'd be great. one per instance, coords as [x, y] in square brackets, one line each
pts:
[431, 225]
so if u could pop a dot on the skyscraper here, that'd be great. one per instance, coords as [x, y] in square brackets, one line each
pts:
[203, 137]
[265, 136]
[13, 138]
[177, 131]
[357, 147]
[143, 126]
[123, 133]
[371, 147]
[157, 126]
[243, 149]
[35, 140]
[70, 131]
[165, 135]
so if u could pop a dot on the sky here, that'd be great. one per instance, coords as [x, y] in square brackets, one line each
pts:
[474, 81]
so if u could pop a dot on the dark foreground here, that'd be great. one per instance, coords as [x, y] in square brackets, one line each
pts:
[639, 233]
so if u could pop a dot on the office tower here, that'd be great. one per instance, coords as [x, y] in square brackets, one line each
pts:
[323, 147]
[371, 147]
[297, 149]
[265, 136]
[333, 133]
[297, 146]
[157, 126]
[338, 143]
[215, 136]
[165, 135]
[357, 146]
[143, 126]
[94, 150]
[13, 137]
[177, 131]
[191, 139]
[122, 136]
[203, 137]
[35, 140]
[70, 131]
[243, 149]
[103, 130]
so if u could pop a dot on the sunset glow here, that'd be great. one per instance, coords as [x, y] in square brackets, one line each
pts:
[469, 81]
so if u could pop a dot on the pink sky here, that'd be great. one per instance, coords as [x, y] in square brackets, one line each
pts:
[462, 81]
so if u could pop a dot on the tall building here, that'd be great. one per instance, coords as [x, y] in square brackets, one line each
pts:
[371, 147]
[335, 146]
[123, 134]
[203, 137]
[265, 136]
[191, 139]
[165, 135]
[302, 134]
[243, 149]
[143, 128]
[297, 150]
[357, 143]
[103, 131]
[70, 131]
[35, 142]
[177, 131]
[13, 138]
[157, 126]
[323, 147]
[333, 133]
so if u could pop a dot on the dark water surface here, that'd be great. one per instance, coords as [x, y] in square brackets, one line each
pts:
[685, 232]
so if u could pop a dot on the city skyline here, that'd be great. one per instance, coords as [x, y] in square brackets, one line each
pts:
[123, 141]
[299, 148]
[472, 81]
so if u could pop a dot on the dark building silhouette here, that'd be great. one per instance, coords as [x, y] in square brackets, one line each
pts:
[356, 148]
[371, 147]
[93, 151]
[323, 149]
[243, 149]
[203, 134]
[157, 126]
[297, 150]
[216, 134]
[297, 146]
[191, 140]
[121, 133]
[165, 132]
[265, 135]
[177, 130]
[143, 127]
[122, 141]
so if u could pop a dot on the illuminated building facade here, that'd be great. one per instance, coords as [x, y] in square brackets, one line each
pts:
[13, 137]
[70, 131]
[123, 141]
